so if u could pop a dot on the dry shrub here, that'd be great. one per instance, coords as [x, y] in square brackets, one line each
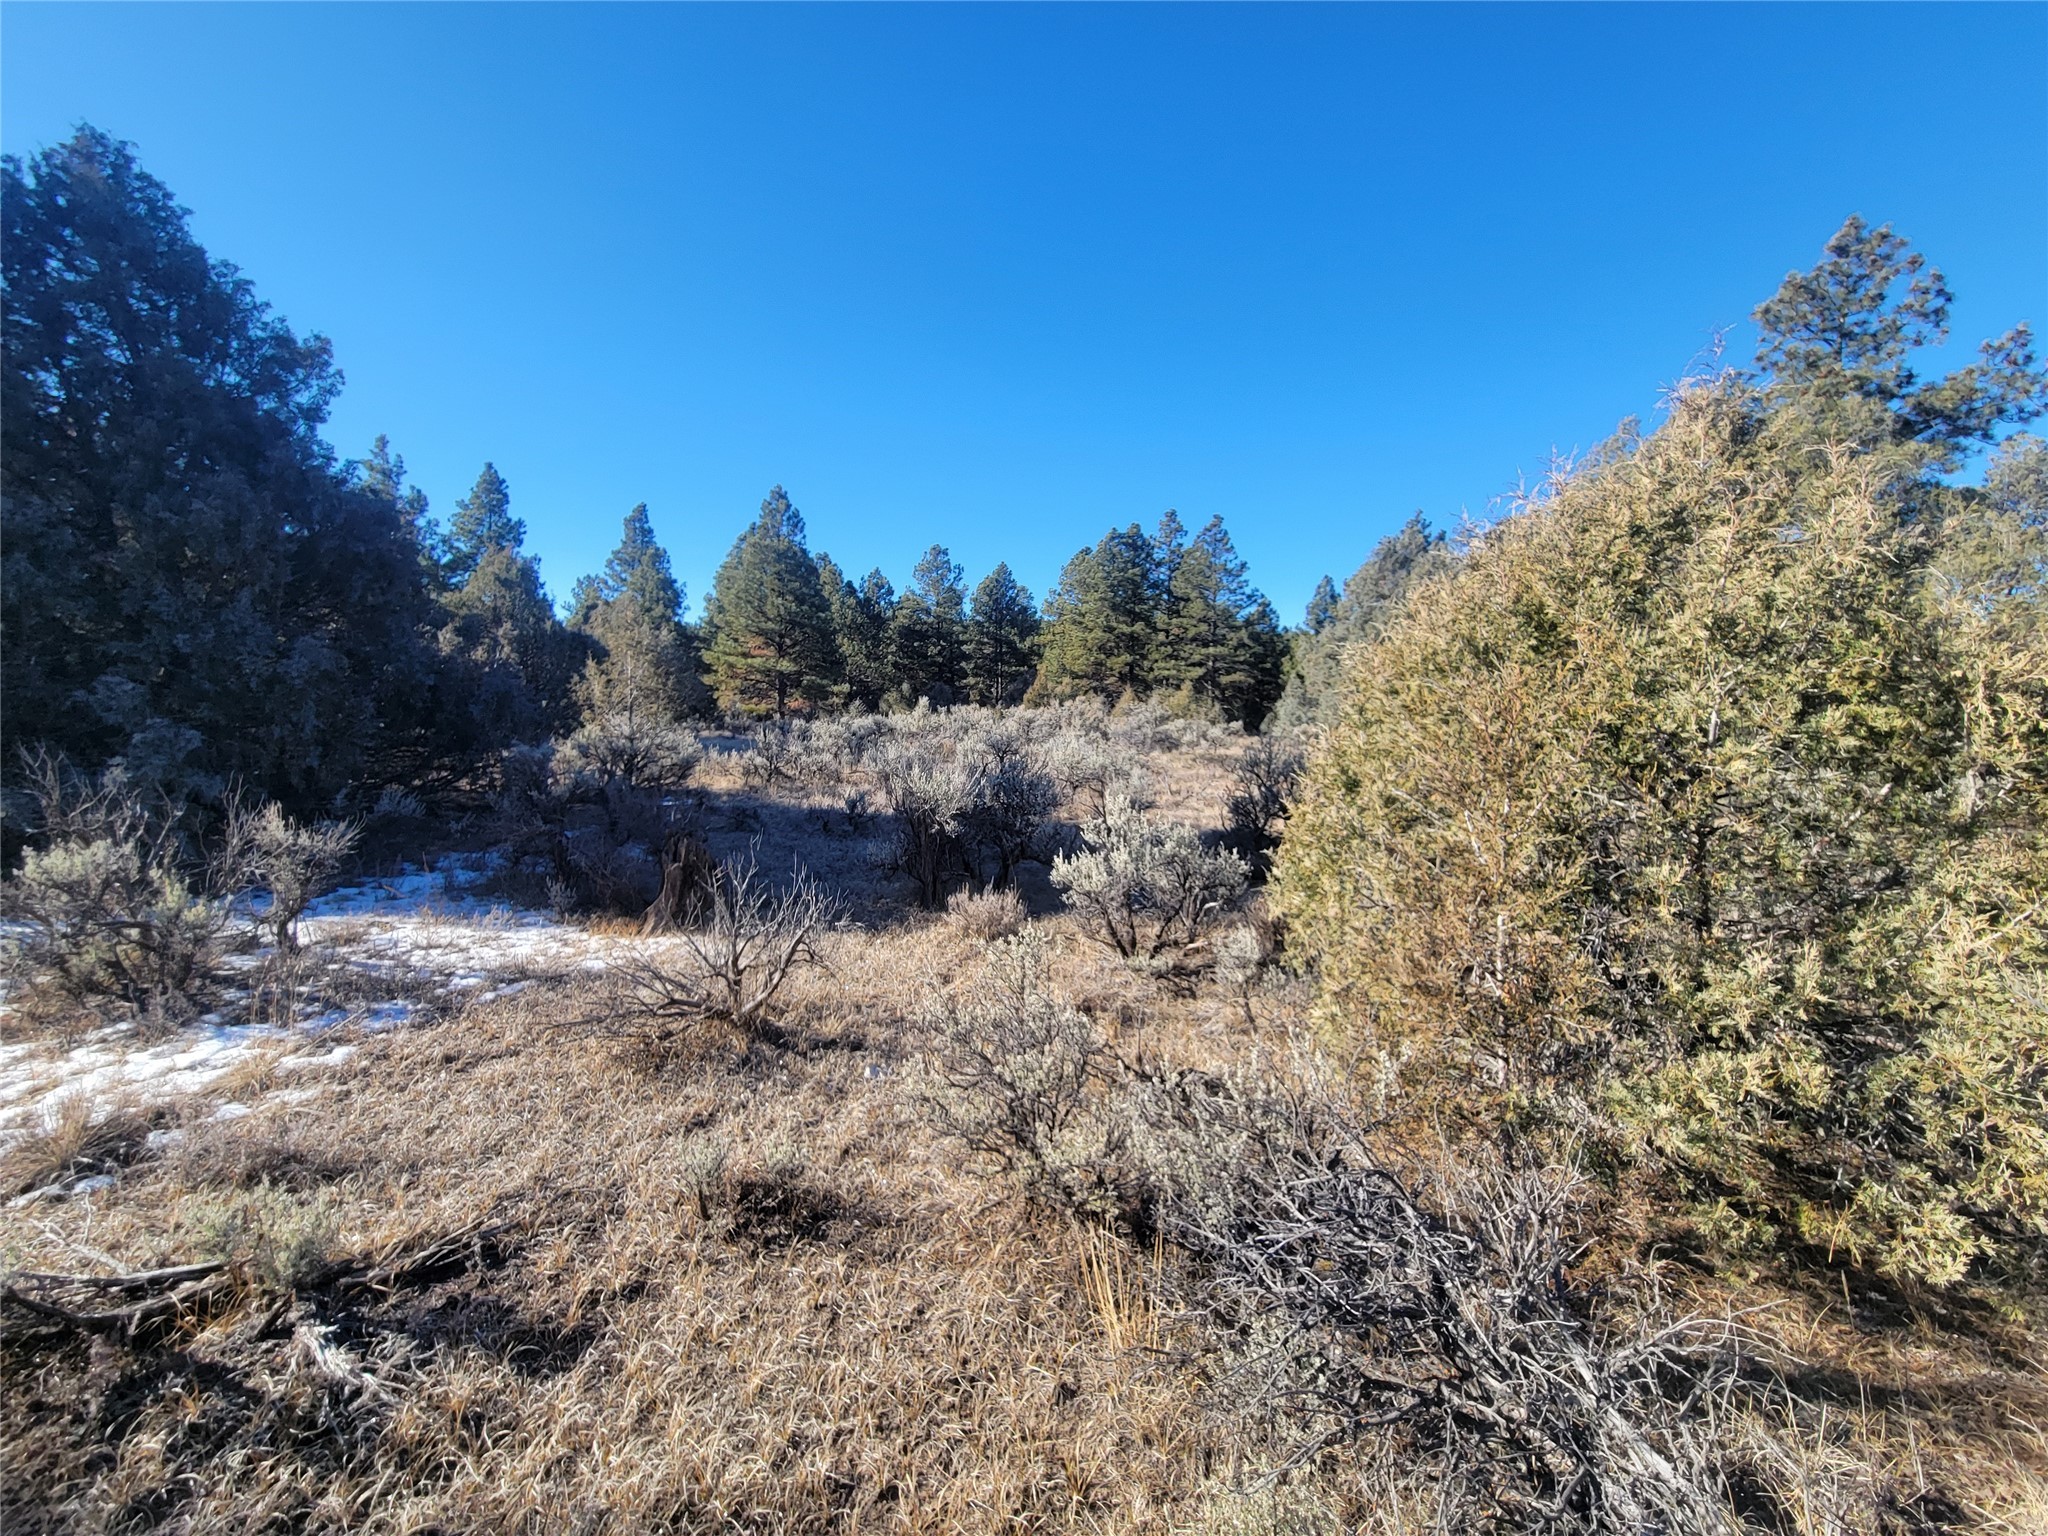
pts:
[1443, 1332]
[1146, 886]
[987, 915]
[1016, 1075]
[752, 937]
[281, 1236]
[110, 911]
[292, 863]
[1262, 783]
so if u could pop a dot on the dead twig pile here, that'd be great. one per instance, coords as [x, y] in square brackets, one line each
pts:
[1452, 1334]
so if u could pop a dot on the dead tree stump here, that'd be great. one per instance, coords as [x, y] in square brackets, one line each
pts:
[687, 875]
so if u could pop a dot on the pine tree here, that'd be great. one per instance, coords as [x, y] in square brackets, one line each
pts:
[1102, 620]
[1836, 344]
[928, 630]
[1219, 644]
[770, 645]
[1322, 606]
[522, 663]
[483, 521]
[860, 628]
[1002, 628]
[383, 475]
[634, 611]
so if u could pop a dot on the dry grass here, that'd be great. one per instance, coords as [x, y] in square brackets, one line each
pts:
[496, 1276]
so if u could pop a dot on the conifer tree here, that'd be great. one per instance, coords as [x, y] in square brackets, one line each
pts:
[1220, 648]
[522, 664]
[861, 618]
[1322, 606]
[1371, 599]
[1102, 620]
[1002, 627]
[1836, 345]
[483, 521]
[384, 478]
[190, 584]
[1699, 817]
[769, 641]
[646, 664]
[928, 630]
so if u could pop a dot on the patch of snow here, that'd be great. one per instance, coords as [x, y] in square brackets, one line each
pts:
[231, 1112]
[63, 1191]
[332, 1057]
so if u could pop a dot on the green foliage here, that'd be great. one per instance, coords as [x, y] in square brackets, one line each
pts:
[1837, 342]
[1219, 644]
[189, 583]
[1101, 621]
[1000, 643]
[645, 661]
[483, 522]
[1371, 599]
[518, 665]
[1162, 616]
[928, 631]
[1699, 816]
[861, 617]
[768, 621]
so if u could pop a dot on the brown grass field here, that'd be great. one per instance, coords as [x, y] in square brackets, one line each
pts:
[517, 1268]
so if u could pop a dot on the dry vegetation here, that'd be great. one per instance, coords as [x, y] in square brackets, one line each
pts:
[523, 1266]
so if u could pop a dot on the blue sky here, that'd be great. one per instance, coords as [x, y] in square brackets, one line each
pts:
[1002, 277]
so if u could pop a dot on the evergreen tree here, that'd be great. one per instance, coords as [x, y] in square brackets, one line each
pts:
[1219, 643]
[770, 644]
[522, 664]
[1002, 628]
[928, 630]
[1837, 341]
[383, 476]
[1371, 599]
[861, 618]
[190, 583]
[1322, 606]
[1698, 820]
[1102, 620]
[483, 521]
[645, 662]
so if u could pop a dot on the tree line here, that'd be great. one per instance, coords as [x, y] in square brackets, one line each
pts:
[196, 585]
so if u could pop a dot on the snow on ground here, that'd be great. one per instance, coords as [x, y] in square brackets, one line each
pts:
[426, 930]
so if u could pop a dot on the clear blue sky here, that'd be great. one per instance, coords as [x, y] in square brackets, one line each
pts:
[1002, 277]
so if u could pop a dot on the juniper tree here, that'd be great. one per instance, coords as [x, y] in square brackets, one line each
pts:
[1702, 813]
[190, 584]
[769, 641]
